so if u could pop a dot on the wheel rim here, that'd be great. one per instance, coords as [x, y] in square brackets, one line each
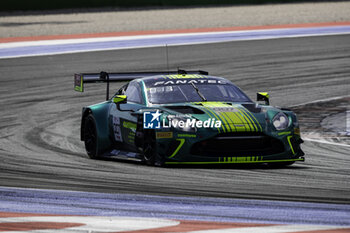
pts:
[149, 147]
[148, 150]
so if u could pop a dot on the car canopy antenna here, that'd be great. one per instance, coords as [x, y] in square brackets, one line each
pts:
[167, 57]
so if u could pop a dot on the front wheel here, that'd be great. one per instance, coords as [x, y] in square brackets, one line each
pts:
[150, 154]
[90, 137]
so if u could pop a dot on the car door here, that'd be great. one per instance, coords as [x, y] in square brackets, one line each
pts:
[124, 122]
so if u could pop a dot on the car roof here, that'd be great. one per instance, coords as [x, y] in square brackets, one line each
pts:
[179, 76]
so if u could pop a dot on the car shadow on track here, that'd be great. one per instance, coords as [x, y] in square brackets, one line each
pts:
[264, 166]
[237, 166]
[260, 166]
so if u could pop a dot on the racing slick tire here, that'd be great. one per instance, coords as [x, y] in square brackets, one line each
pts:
[150, 154]
[90, 137]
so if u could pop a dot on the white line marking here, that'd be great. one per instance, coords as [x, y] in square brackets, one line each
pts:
[139, 37]
[124, 38]
[169, 45]
[96, 224]
[116, 224]
[156, 36]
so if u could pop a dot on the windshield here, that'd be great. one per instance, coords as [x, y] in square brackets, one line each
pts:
[226, 92]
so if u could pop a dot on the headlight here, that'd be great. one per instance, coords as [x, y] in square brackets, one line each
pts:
[280, 121]
[181, 123]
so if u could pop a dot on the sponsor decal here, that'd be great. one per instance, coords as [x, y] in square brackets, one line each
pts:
[240, 159]
[128, 131]
[183, 135]
[225, 109]
[182, 76]
[117, 129]
[78, 83]
[131, 136]
[189, 81]
[164, 134]
[129, 125]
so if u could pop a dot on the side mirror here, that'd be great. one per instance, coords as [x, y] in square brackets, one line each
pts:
[263, 96]
[119, 99]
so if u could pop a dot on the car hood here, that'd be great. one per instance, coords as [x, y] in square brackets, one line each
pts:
[234, 117]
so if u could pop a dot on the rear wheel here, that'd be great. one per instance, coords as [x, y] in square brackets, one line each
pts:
[90, 137]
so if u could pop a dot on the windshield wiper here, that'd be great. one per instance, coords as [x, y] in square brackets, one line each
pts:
[198, 92]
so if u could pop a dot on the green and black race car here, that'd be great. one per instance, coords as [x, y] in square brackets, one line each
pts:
[186, 117]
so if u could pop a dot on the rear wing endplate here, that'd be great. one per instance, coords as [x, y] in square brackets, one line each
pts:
[104, 77]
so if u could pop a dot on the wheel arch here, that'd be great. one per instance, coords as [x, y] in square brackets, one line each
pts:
[86, 111]
[100, 113]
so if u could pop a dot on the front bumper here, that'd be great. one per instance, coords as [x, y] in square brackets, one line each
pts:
[231, 148]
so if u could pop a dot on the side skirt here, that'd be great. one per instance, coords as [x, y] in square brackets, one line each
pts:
[124, 155]
[302, 159]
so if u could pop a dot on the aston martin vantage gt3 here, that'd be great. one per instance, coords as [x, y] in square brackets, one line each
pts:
[186, 117]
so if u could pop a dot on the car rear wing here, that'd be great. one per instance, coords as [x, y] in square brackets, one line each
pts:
[104, 77]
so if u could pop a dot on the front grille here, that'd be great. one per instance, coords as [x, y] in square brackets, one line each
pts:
[238, 144]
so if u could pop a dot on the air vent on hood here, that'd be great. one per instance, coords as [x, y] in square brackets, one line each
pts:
[185, 109]
[252, 107]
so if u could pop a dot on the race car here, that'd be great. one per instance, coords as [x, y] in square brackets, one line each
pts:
[186, 117]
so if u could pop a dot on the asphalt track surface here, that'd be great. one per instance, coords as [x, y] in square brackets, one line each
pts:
[40, 120]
